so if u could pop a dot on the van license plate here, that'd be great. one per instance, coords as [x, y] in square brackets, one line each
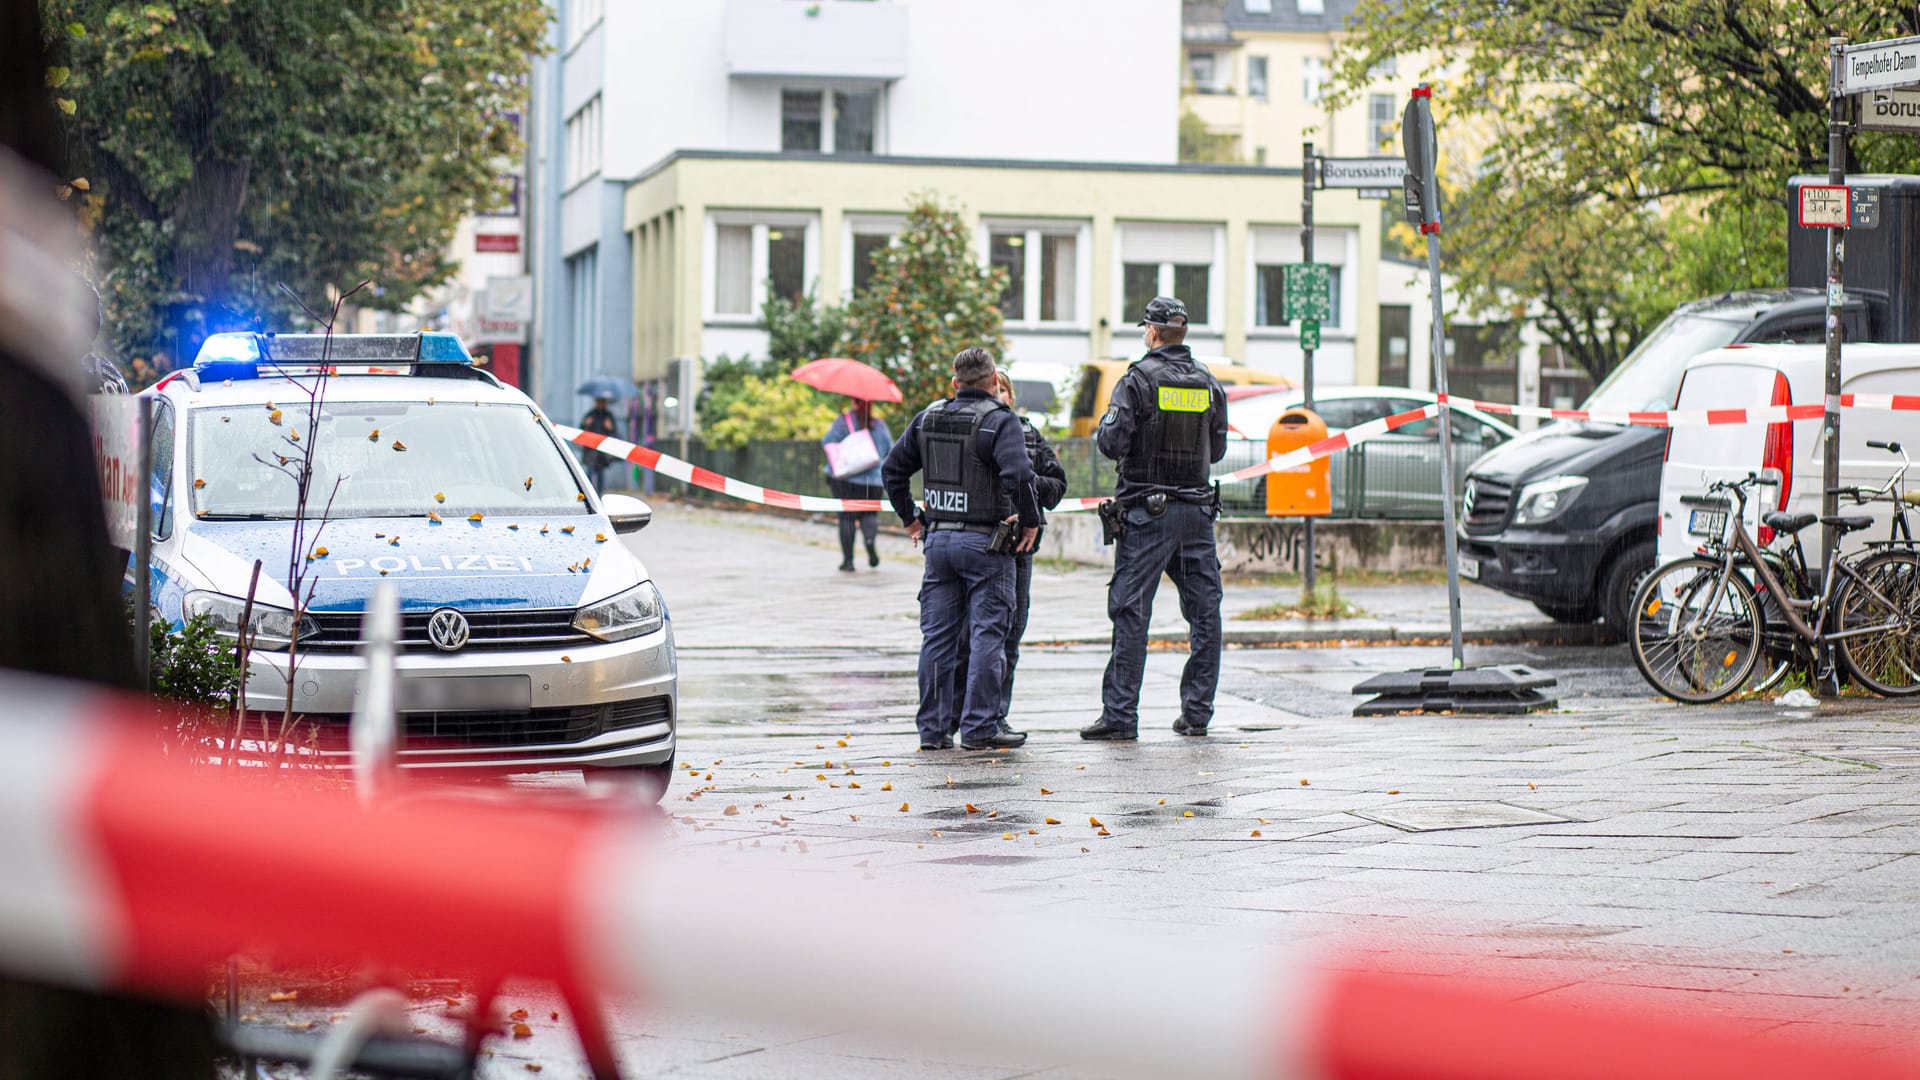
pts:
[1706, 522]
[464, 693]
[1470, 569]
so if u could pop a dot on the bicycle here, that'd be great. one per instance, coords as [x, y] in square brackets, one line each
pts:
[1700, 627]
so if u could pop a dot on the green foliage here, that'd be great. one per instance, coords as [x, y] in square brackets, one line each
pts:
[1197, 144]
[230, 147]
[929, 298]
[801, 331]
[1609, 160]
[193, 665]
[761, 407]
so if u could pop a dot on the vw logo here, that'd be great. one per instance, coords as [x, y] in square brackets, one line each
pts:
[447, 629]
[1466, 501]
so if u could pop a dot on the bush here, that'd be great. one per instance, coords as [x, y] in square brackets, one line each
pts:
[761, 407]
[193, 665]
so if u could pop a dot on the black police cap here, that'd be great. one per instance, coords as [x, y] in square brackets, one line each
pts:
[1164, 311]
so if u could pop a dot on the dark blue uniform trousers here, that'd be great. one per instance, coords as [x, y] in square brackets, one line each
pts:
[967, 591]
[1179, 544]
[1022, 602]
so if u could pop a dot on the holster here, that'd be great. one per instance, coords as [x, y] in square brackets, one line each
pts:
[1113, 521]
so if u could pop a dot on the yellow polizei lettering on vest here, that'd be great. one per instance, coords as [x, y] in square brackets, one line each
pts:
[1185, 398]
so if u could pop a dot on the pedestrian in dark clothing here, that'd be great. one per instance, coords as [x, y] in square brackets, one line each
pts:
[599, 420]
[861, 485]
[977, 475]
[1050, 481]
[1166, 425]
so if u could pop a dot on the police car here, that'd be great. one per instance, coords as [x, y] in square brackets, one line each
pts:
[532, 638]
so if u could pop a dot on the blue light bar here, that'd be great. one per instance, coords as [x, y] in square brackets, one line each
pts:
[228, 356]
[239, 355]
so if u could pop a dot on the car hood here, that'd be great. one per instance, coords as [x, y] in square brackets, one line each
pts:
[1561, 448]
[475, 566]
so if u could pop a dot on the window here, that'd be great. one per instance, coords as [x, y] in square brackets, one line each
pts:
[1200, 71]
[757, 254]
[582, 16]
[830, 122]
[800, 127]
[865, 247]
[1259, 7]
[1396, 338]
[1385, 69]
[1257, 77]
[1168, 260]
[733, 262]
[1313, 79]
[1380, 121]
[854, 113]
[1043, 271]
[161, 483]
[583, 142]
[1270, 294]
[1008, 252]
[1313, 7]
[583, 308]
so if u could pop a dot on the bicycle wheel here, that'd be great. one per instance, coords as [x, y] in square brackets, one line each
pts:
[1887, 662]
[1689, 645]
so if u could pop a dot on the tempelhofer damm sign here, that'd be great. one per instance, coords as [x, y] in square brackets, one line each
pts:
[1880, 65]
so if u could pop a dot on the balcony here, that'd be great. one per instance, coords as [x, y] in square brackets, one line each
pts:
[822, 39]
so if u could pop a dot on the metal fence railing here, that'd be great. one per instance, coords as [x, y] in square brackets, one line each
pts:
[1388, 478]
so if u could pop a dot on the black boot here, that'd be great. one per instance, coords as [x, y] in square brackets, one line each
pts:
[873, 555]
[846, 564]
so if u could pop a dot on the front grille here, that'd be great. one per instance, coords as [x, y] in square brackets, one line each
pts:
[577, 723]
[1491, 500]
[340, 630]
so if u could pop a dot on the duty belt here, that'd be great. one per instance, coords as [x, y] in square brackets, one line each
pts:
[935, 526]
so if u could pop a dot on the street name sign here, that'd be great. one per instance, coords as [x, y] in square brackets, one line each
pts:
[1880, 65]
[1888, 110]
[1308, 292]
[1825, 206]
[1375, 193]
[1371, 173]
[1309, 334]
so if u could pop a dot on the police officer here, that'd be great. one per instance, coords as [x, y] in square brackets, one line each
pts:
[1166, 425]
[977, 478]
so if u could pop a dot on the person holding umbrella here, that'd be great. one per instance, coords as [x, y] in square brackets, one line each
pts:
[600, 421]
[842, 457]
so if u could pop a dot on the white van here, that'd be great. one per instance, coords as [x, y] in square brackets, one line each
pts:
[1754, 376]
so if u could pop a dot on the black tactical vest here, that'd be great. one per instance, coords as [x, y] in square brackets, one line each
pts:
[959, 485]
[1171, 443]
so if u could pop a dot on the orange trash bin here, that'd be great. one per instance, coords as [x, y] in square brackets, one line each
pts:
[1302, 491]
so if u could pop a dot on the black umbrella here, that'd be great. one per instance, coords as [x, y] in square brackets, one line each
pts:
[608, 386]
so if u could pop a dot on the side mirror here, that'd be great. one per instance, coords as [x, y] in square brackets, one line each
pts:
[629, 515]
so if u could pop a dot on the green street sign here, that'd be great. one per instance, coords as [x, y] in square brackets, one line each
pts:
[1309, 295]
[1309, 333]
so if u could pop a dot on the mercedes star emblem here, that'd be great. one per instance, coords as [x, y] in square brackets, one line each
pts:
[447, 629]
[1466, 503]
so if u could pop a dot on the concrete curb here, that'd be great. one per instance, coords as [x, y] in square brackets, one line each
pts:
[1531, 634]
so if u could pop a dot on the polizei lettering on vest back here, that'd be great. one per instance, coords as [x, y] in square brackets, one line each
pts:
[951, 502]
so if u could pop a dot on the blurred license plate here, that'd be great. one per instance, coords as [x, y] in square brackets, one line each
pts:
[464, 693]
[1706, 522]
[1470, 568]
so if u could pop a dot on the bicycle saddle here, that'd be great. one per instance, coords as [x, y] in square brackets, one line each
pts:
[1847, 524]
[1783, 522]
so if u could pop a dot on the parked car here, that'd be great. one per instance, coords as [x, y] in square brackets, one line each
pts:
[1399, 472]
[1755, 376]
[532, 638]
[1098, 378]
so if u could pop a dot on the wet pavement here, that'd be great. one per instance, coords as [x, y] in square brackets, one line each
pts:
[1750, 863]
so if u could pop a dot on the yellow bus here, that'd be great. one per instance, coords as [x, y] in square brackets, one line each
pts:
[1098, 377]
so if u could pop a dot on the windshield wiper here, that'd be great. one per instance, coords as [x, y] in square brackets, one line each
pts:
[244, 517]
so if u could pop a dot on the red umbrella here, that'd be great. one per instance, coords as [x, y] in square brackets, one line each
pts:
[849, 377]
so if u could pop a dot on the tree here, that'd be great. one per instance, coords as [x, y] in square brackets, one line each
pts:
[1608, 160]
[745, 400]
[1200, 145]
[230, 147]
[929, 298]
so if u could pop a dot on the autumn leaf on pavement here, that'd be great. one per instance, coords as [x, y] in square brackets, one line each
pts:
[1044, 791]
[1095, 822]
[1053, 821]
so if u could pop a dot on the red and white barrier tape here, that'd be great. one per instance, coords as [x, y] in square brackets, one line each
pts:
[678, 469]
[126, 869]
[1769, 414]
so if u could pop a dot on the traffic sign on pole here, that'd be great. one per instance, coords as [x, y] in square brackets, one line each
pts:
[1367, 172]
[1825, 206]
[1878, 65]
[1887, 110]
[1309, 292]
[1309, 334]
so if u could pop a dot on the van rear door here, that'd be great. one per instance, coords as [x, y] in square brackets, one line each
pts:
[1698, 456]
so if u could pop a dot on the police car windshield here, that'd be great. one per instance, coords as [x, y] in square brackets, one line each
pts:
[391, 459]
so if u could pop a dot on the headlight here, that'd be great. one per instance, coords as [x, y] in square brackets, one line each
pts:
[637, 611]
[272, 628]
[1544, 500]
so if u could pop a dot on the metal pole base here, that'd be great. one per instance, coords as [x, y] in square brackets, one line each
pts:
[1492, 690]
